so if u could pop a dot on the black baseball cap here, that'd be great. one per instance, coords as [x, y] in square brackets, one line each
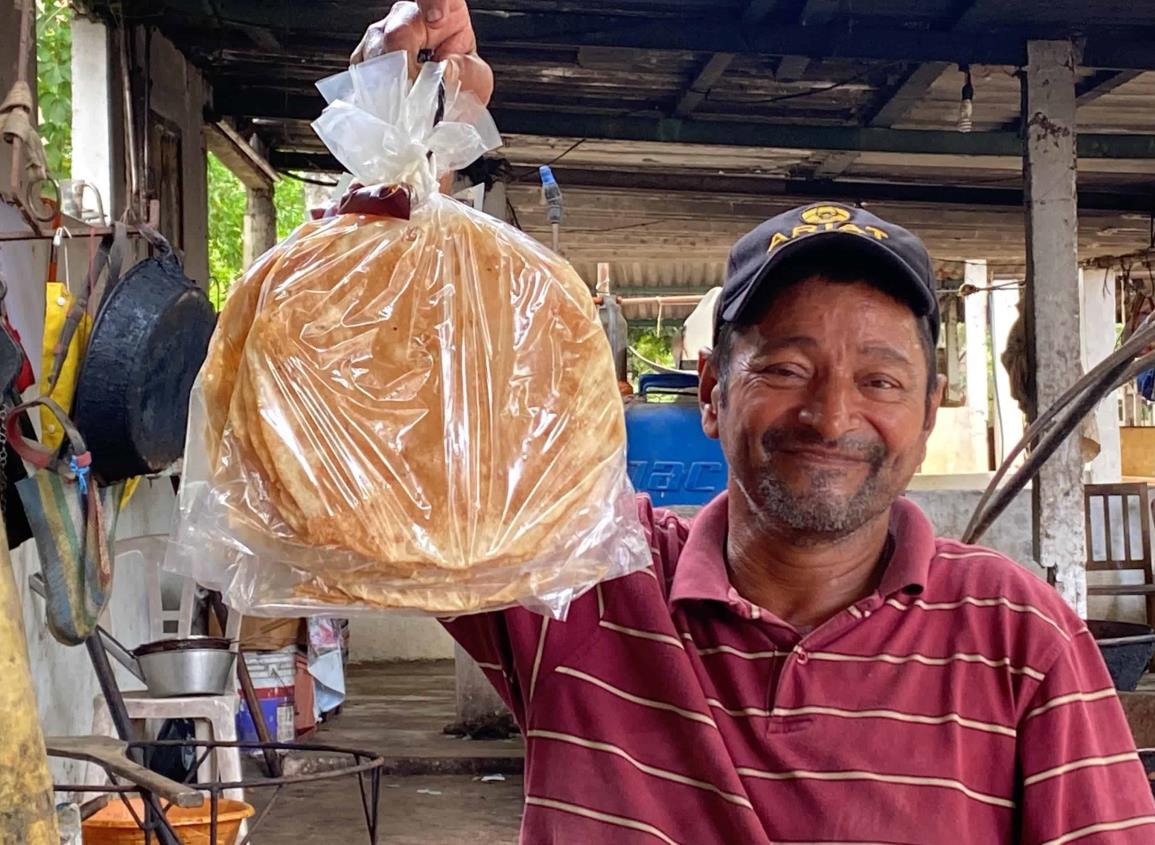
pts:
[805, 232]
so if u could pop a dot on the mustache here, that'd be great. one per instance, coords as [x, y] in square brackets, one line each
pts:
[794, 438]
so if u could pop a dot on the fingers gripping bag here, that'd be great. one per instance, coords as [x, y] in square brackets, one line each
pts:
[408, 404]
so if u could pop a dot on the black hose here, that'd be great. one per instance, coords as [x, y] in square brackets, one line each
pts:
[1043, 450]
[1143, 337]
[1046, 447]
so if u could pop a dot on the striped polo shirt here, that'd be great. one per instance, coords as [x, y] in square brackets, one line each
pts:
[963, 702]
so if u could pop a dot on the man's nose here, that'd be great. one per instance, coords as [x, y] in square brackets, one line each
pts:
[829, 409]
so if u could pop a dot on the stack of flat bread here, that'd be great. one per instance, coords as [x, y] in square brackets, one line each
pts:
[416, 414]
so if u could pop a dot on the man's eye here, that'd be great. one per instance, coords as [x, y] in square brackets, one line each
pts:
[785, 371]
[880, 383]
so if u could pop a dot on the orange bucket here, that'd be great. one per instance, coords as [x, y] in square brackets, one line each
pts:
[114, 825]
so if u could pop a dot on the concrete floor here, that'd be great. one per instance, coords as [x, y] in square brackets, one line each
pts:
[432, 792]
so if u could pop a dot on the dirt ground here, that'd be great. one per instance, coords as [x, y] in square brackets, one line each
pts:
[432, 792]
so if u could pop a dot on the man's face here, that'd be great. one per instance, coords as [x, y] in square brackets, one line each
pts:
[824, 418]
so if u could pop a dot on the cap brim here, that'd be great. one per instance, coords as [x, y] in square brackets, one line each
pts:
[908, 282]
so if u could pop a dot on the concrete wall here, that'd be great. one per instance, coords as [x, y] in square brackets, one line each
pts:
[397, 637]
[958, 443]
[950, 510]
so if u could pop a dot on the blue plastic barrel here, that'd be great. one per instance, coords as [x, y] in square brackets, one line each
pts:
[669, 455]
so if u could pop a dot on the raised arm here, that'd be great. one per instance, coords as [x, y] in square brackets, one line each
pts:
[441, 26]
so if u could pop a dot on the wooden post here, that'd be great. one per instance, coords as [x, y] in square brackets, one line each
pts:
[260, 229]
[1054, 304]
[27, 813]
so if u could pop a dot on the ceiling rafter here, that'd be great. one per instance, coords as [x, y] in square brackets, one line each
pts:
[714, 67]
[902, 98]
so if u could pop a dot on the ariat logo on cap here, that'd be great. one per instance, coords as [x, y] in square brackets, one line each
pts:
[825, 218]
[825, 214]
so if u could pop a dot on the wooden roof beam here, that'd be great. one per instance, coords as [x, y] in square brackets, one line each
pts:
[239, 157]
[735, 184]
[866, 40]
[699, 88]
[717, 64]
[908, 92]
[1103, 82]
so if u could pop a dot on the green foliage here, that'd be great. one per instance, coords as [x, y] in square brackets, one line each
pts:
[226, 229]
[227, 203]
[289, 198]
[54, 83]
[652, 346]
[227, 199]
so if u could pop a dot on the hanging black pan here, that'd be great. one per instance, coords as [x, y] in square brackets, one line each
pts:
[148, 342]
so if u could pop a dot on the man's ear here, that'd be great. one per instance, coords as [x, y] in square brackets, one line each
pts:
[934, 402]
[709, 394]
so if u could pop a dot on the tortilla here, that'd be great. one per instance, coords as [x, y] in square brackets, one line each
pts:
[426, 407]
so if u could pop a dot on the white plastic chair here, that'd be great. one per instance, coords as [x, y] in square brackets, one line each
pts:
[213, 715]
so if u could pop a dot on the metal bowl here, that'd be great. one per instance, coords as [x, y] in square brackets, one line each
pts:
[191, 666]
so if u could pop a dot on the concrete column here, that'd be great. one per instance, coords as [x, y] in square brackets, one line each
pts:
[92, 90]
[1099, 342]
[260, 229]
[496, 202]
[1054, 303]
[978, 361]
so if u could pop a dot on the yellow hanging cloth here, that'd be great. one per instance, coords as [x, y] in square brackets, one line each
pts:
[58, 302]
[65, 313]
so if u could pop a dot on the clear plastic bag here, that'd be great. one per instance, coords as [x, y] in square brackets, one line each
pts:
[419, 413]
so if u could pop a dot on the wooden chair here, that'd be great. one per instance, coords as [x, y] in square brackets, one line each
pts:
[1123, 541]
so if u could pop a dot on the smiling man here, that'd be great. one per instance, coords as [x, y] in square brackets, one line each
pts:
[805, 661]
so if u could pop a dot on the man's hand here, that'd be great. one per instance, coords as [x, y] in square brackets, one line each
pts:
[442, 26]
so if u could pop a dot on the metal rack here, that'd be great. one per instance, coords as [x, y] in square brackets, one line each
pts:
[366, 766]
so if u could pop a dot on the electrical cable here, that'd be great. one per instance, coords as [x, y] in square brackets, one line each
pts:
[798, 95]
[307, 180]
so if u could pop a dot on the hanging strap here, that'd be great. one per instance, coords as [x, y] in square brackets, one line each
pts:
[42, 457]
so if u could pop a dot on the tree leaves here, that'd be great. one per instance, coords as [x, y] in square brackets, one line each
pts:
[227, 203]
[226, 195]
[54, 83]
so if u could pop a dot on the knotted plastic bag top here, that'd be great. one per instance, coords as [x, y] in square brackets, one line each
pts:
[387, 129]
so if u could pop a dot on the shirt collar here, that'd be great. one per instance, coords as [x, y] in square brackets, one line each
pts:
[702, 574]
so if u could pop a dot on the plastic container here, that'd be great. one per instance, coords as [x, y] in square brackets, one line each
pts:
[272, 668]
[669, 455]
[114, 825]
[274, 674]
[277, 710]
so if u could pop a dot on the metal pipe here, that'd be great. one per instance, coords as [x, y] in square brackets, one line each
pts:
[676, 299]
[154, 813]
[129, 118]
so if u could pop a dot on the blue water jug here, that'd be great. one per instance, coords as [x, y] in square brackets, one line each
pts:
[669, 455]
